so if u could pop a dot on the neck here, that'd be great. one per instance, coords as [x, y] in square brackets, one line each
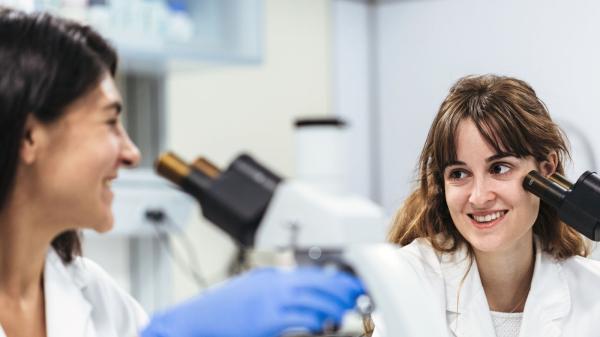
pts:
[506, 276]
[24, 242]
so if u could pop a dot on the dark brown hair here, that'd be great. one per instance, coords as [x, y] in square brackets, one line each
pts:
[512, 119]
[47, 63]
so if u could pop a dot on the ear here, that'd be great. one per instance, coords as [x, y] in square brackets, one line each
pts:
[32, 139]
[548, 166]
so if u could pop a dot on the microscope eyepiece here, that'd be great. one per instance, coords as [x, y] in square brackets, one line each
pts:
[171, 167]
[546, 189]
[577, 204]
[234, 199]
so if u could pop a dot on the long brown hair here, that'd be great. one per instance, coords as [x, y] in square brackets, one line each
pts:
[512, 119]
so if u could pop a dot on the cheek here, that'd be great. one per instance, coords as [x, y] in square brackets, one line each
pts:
[529, 208]
[456, 198]
[90, 161]
[514, 193]
[524, 204]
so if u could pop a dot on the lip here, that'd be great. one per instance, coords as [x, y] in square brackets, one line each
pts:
[110, 178]
[107, 185]
[488, 224]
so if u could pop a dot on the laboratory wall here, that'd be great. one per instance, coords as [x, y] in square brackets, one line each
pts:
[425, 46]
[353, 92]
[218, 111]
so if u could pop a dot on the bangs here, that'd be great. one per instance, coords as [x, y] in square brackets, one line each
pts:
[501, 129]
[504, 133]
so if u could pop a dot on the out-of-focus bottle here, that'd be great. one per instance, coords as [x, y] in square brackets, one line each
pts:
[156, 14]
[181, 26]
[98, 15]
[24, 5]
[74, 9]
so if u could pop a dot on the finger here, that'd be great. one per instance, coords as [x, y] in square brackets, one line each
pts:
[307, 277]
[338, 286]
[323, 307]
[337, 296]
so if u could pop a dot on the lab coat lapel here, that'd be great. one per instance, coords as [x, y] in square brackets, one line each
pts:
[549, 299]
[467, 309]
[547, 306]
[68, 313]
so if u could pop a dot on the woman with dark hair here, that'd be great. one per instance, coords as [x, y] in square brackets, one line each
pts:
[61, 145]
[503, 262]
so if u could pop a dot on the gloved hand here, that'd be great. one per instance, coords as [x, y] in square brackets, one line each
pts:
[262, 303]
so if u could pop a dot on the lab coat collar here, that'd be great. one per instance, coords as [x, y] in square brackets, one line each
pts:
[467, 308]
[549, 300]
[466, 305]
[68, 312]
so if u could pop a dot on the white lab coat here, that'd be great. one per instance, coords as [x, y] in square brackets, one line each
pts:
[82, 300]
[564, 299]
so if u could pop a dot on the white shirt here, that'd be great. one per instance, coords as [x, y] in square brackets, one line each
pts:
[564, 299]
[82, 300]
[507, 324]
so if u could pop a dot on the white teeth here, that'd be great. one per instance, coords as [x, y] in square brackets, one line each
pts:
[108, 183]
[489, 217]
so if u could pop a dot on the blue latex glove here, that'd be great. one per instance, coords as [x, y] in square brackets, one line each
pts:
[262, 303]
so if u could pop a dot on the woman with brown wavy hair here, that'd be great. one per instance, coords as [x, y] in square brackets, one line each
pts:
[505, 262]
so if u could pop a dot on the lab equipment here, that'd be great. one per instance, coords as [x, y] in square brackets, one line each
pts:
[261, 210]
[324, 166]
[263, 302]
[577, 204]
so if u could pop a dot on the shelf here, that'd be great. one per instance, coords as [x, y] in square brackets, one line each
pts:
[151, 34]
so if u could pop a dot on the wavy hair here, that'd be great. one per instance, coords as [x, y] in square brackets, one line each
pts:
[511, 119]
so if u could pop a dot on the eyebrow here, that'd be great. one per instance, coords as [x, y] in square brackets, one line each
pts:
[117, 106]
[487, 160]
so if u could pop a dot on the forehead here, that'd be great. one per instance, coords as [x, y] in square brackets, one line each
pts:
[459, 137]
[104, 92]
[470, 143]
[108, 89]
[94, 101]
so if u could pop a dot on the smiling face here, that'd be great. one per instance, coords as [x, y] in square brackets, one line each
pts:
[77, 158]
[484, 193]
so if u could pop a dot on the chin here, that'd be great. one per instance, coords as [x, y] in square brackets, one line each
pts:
[487, 244]
[105, 225]
[103, 229]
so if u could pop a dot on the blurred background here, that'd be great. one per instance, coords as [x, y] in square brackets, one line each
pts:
[221, 77]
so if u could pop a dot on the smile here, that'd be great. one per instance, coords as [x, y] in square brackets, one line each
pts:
[488, 220]
[107, 183]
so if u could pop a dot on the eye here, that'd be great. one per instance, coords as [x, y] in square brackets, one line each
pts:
[499, 168]
[457, 175]
[114, 124]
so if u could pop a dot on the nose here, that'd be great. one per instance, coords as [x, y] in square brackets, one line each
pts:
[482, 193]
[130, 154]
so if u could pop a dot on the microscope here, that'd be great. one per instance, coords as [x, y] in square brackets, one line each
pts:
[578, 204]
[261, 210]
